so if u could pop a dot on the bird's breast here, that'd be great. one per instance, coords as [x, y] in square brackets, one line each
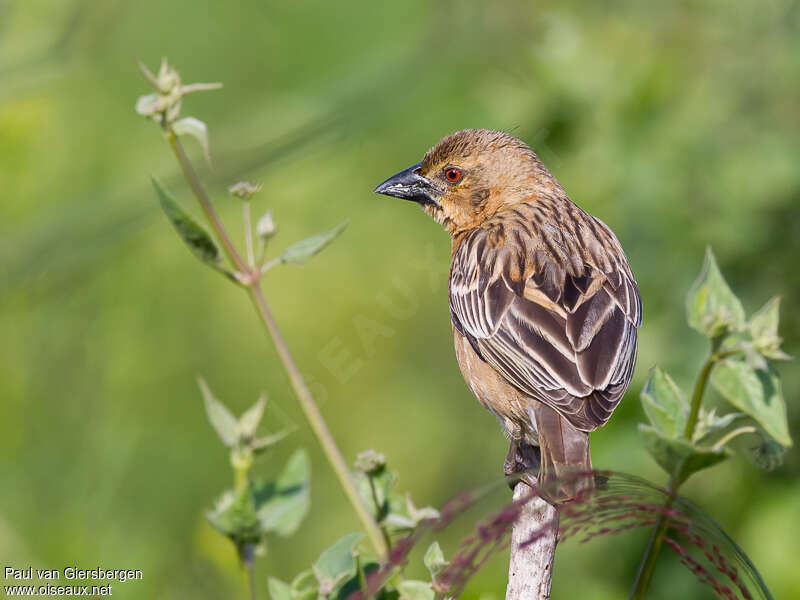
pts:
[504, 401]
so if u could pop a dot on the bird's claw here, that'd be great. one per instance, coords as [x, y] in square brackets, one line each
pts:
[522, 463]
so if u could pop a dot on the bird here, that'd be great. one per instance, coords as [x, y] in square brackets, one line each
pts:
[543, 303]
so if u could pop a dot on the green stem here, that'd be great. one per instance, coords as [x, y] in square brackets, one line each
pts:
[315, 419]
[251, 580]
[310, 409]
[362, 577]
[248, 559]
[241, 463]
[647, 566]
[384, 531]
[200, 193]
[697, 397]
[732, 434]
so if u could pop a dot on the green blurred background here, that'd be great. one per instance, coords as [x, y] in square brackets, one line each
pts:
[677, 124]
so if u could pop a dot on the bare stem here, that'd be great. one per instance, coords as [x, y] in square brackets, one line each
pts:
[316, 420]
[253, 286]
[530, 567]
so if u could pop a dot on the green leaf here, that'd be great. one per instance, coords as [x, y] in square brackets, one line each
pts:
[221, 418]
[434, 559]
[764, 329]
[262, 443]
[711, 306]
[764, 323]
[248, 423]
[353, 585]
[664, 404]
[300, 252]
[281, 505]
[383, 480]
[197, 238]
[278, 590]
[678, 457]
[415, 590]
[756, 393]
[304, 586]
[709, 423]
[418, 515]
[398, 522]
[197, 129]
[337, 562]
[235, 517]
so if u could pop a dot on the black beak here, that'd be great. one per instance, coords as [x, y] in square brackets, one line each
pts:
[409, 185]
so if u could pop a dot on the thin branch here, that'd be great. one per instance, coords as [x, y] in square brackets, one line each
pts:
[251, 282]
[316, 420]
[269, 264]
[200, 193]
[732, 434]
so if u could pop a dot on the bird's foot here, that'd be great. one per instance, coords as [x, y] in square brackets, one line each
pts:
[522, 463]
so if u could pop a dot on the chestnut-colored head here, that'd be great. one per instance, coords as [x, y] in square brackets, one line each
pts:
[470, 175]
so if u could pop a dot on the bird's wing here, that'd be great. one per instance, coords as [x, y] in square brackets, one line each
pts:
[554, 312]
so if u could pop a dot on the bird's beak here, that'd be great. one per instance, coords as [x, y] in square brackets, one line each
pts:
[409, 185]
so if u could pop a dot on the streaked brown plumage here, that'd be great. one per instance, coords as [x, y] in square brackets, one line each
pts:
[543, 303]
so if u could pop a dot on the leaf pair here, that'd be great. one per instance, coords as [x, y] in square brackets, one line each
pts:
[751, 385]
[667, 410]
[241, 432]
[376, 485]
[333, 575]
[205, 248]
[266, 507]
[338, 573]
[740, 372]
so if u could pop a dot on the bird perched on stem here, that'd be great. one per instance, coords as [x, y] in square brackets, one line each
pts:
[543, 303]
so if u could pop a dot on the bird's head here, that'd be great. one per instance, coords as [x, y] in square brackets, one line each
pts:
[469, 175]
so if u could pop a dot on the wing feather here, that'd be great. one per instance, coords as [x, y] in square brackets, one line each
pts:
[557, 323]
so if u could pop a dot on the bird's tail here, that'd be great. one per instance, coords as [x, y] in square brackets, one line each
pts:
[566, 465]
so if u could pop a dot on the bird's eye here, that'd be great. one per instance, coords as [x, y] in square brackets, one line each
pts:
[452, 174]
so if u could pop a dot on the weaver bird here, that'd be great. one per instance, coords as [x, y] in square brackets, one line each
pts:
[543, 303]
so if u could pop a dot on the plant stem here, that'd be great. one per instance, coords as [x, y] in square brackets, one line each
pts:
[248, 560]
[316, 420]
[386, 538]
[732, 434]
[697, 396]
[251, 580]
[310, 409]
[647, 566]
[248, 234]
[200, 193]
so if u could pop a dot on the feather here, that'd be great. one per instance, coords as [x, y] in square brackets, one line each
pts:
[551, 304]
